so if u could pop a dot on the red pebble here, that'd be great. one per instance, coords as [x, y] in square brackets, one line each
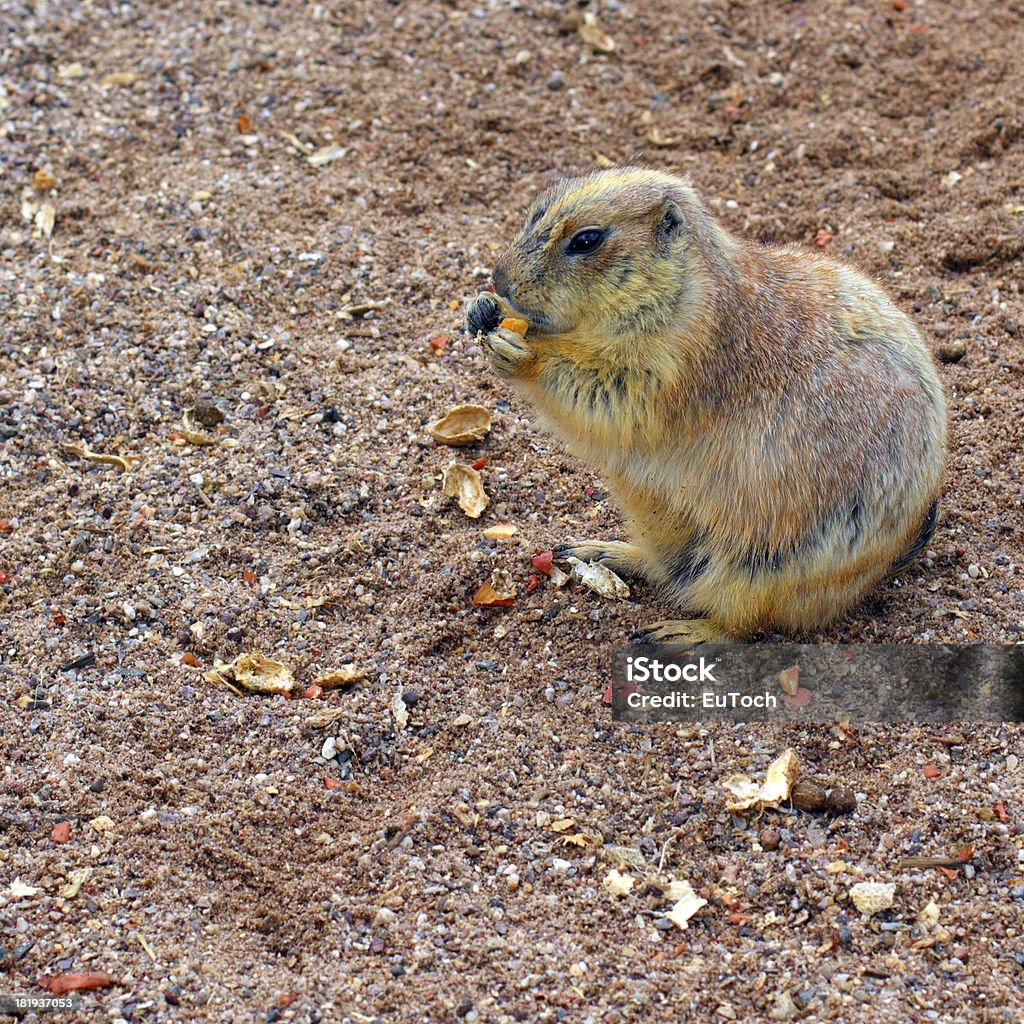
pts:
[82, 982]
[798, 699]
[542, 562]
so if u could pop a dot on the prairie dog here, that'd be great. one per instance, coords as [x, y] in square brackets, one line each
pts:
[770, 422]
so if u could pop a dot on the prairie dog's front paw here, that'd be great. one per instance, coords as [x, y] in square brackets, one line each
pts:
[509, 352]
[625, 559]
[483, 314]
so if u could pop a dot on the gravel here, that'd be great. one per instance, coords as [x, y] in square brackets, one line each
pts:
[451, 865]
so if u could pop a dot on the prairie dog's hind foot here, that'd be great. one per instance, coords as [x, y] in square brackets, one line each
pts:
[622, 558]
[684, 631]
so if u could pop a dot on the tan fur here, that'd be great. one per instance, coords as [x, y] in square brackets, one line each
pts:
[769, 420]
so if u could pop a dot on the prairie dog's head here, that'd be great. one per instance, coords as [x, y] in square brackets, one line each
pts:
[613, 255]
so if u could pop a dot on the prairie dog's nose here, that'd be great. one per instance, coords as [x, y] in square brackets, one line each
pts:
[500, 276]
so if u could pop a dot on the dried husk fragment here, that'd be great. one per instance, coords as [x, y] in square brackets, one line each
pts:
[462, 425]
[872, 897]
[600, 579]
[501, 531]
[465, 483]
[778, 782]
[596, 38]
[339, 677]
[253, 672]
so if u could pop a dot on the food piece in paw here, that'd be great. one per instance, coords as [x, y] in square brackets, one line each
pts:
[516, 325]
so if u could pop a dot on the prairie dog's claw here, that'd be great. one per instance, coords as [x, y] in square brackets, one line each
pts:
[683, 631]
[625, 559]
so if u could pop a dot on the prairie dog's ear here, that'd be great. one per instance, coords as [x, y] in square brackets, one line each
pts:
[671, 222]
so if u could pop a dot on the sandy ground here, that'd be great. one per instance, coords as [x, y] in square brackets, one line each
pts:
[219, 868]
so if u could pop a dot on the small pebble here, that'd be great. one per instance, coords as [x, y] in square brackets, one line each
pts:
[816, 838]
[769, 838]
[807, 796]
[953, 351]
[384, 918]
[207, 413]
[570, 22]
[841, 800]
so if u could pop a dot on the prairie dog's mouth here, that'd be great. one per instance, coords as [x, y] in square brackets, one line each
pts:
[539, 322]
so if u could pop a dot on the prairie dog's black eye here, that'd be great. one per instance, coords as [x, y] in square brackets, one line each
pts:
[584, 242]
